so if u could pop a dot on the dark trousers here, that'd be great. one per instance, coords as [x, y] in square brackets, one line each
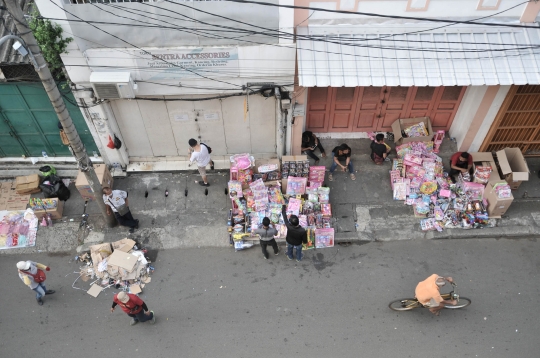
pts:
[454, 172]
[141, 316]
[126, 220]
[311, 153]
[272, 243]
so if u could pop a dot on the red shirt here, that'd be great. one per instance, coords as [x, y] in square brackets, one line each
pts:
[456, 156]
[133, 302]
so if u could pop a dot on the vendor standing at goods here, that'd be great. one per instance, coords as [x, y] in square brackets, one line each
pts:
[31, 273]
[296, 235]
[200, 153]
[341, 154]
[309, 143]
[267, 234]
[134, 307]
[460, 162]
[117, 203]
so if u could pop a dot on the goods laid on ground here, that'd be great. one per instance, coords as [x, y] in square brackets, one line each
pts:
[120, 264]
[417, 178]
[18, 229]
[256, 192]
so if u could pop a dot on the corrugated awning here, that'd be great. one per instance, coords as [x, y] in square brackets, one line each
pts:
[475, 56]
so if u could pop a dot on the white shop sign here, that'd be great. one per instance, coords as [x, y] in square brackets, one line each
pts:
[187, 63]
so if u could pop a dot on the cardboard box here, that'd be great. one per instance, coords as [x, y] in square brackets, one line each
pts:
[99, 252]
[105, 179]
[124, 245]
[56, 213]
[486, 158]
[293, 158]
[259, 162]
[401, 124]
[496, 206]
[513, 166]
[27, 184]
[123, 260]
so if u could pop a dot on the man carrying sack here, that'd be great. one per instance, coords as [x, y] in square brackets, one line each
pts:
[117, 203]
[31, 273]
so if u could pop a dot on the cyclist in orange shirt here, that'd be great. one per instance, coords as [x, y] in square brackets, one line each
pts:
[428, 293]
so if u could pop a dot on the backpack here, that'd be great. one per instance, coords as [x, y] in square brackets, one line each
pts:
[208, 148]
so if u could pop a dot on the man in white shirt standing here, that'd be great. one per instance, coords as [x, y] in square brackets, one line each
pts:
[117, 203]
[200, 153]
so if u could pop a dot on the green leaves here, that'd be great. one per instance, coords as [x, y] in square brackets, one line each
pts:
[51, 42]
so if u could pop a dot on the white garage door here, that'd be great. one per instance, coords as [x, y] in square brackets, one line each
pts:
[163, 128]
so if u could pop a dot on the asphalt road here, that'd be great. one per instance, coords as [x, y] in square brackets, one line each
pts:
[221, 303]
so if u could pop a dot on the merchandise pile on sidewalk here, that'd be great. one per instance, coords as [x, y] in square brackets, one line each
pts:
[418, 178]
[120, 264]
[260, 189]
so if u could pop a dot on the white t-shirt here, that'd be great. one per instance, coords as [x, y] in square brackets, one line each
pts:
[202, 158]
[117, 199]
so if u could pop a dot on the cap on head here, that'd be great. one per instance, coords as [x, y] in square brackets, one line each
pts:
[192, 142]
[294, 220]
[23, 265]
[440, 282]
[122, 297]
[266, 221]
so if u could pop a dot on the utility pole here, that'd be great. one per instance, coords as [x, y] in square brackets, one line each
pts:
[79, 151]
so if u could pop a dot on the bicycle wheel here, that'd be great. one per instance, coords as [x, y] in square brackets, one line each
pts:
[404, 304]
[463, 302]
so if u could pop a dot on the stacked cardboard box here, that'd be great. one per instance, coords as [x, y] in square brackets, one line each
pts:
[27, 184]
[105, 179]
[10, 200]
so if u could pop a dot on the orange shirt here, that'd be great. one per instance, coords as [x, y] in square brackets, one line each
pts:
[428, 289]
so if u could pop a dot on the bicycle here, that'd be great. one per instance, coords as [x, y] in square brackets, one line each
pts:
[83, 225]
[407, 304]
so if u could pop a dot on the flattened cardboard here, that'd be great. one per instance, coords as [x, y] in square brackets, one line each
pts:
[124, 245]
[123, 260]
[95, 290]
[147, 279]
[134, 289]
[513, 164]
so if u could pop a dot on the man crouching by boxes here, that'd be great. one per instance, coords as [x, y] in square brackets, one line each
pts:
[117, 203]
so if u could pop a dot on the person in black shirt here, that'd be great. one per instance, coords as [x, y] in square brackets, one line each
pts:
[309, 143]
[379, 150]
[296, 235]
[341, 154]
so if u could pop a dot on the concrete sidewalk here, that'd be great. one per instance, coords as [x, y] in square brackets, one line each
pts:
[362, 209]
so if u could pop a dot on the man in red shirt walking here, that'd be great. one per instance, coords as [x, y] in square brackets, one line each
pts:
[134, 307]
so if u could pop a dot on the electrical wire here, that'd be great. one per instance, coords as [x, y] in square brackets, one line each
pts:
[170, 63]
[368, 14]
[322, 39]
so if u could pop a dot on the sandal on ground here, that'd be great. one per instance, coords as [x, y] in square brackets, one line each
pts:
[353, 177]
[330, 177]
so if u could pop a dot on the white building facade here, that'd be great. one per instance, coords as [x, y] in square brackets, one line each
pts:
[156, 74]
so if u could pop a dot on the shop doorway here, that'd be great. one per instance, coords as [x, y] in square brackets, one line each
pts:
[518, 122]
[366, 109]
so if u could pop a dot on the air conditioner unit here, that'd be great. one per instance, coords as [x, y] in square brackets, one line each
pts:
[110, 85]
